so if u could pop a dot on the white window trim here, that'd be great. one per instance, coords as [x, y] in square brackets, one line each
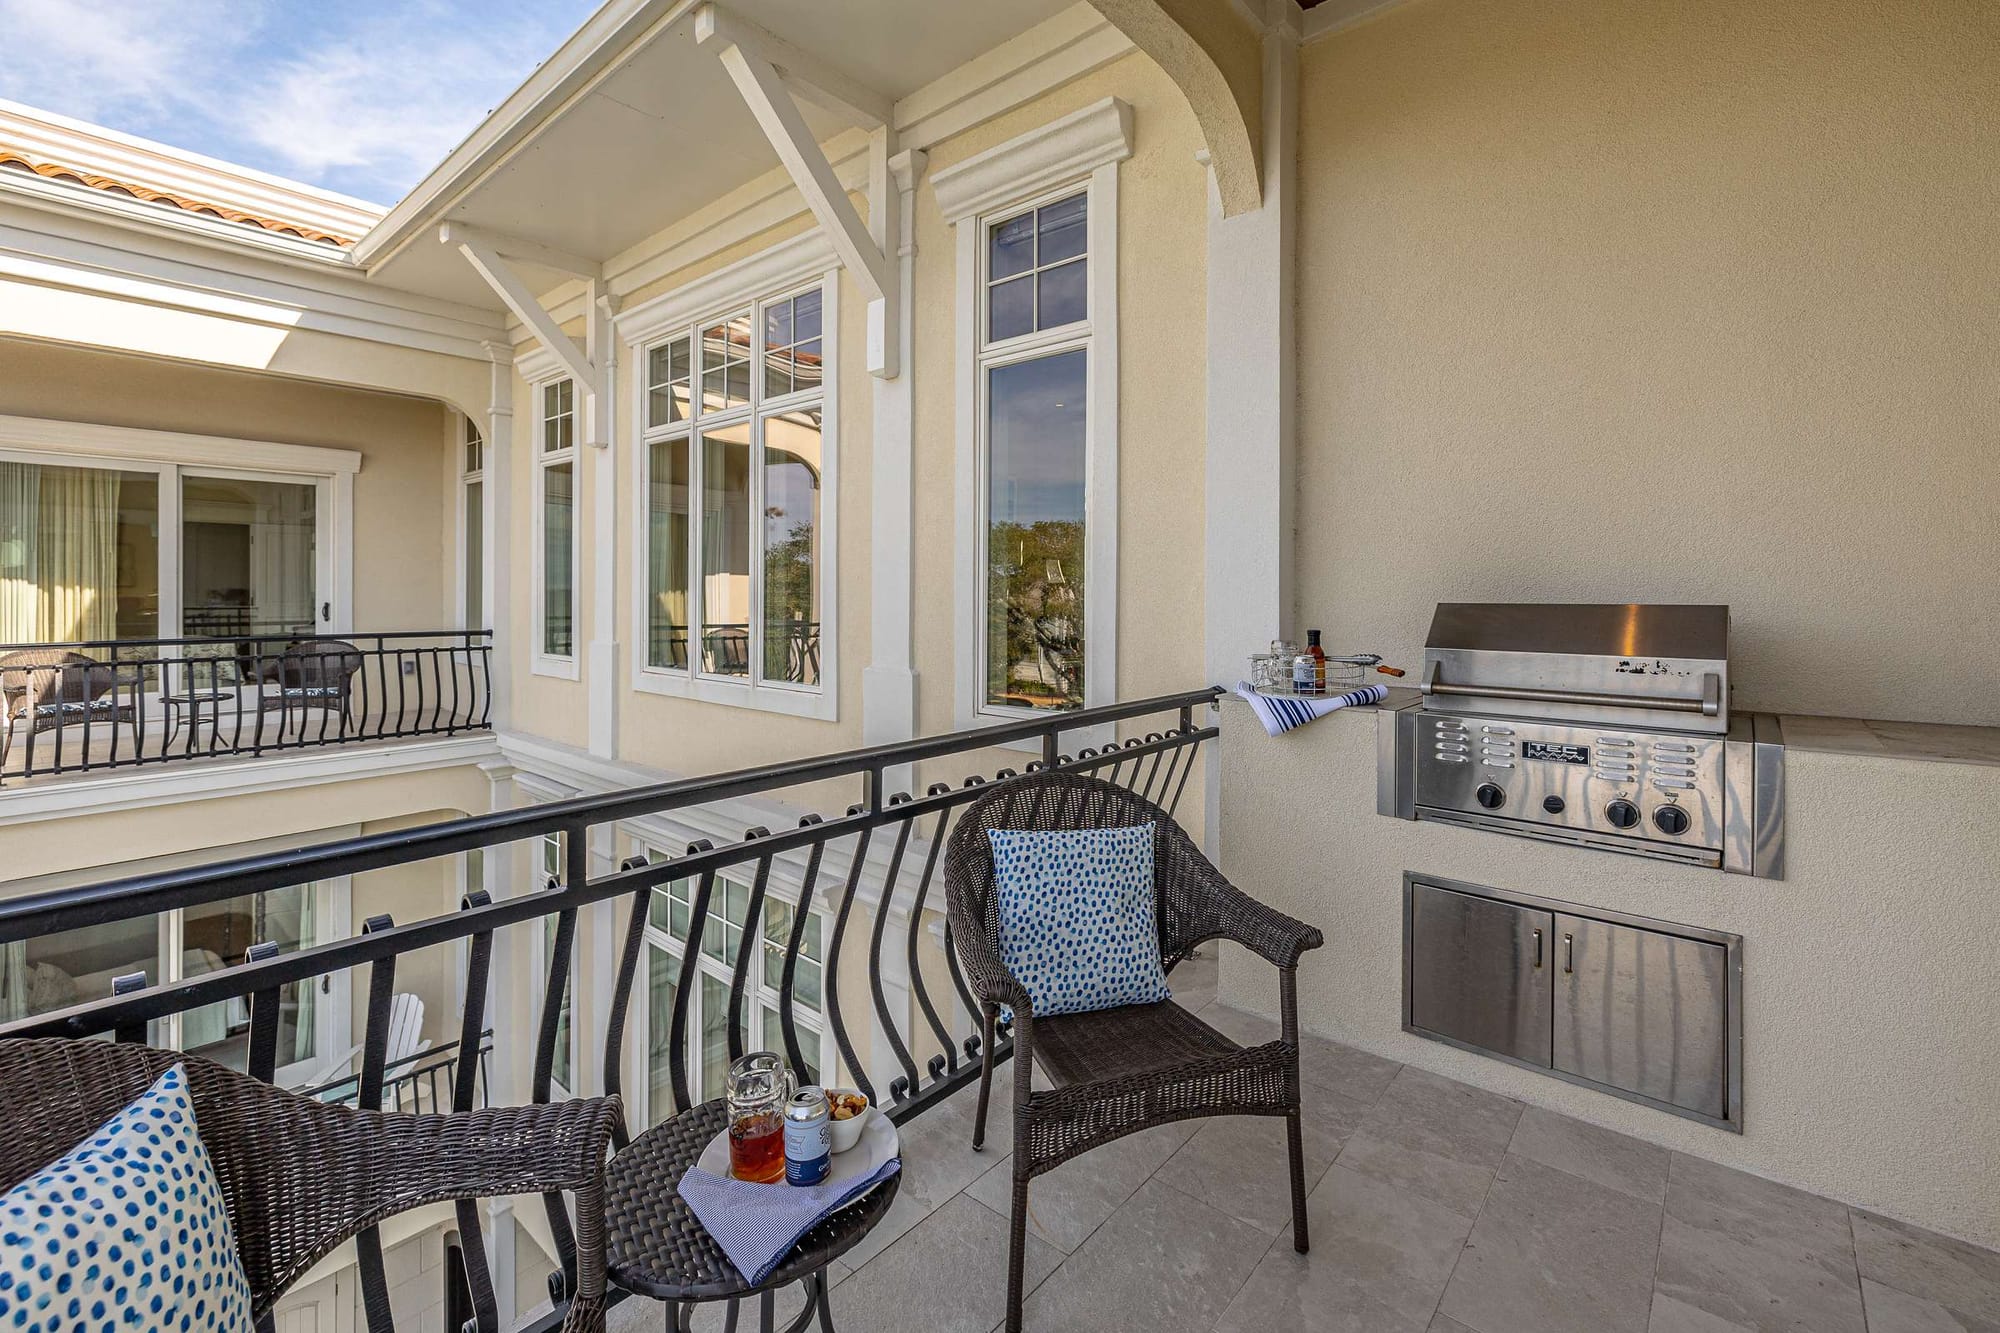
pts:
[540, 662]
[784, 268]
[170, 455]
[538, 967]
[466, 479]
[1079, 150]
[827, 1051]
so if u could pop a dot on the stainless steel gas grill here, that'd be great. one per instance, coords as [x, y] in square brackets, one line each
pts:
[1606, 726]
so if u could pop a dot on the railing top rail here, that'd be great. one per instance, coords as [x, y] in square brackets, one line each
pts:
[94, 904]
[229, 640]
[248, 978]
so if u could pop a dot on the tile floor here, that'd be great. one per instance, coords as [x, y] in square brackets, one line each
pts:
[1435, 1208]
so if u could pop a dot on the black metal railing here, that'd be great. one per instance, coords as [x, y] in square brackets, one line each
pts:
[867, 865]
[116, 703]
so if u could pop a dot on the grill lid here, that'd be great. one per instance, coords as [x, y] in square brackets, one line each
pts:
[1627, 664]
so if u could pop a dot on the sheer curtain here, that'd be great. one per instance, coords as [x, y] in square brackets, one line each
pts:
[58, 553]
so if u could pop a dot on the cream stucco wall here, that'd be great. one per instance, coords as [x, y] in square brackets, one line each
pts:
[1870, 1057]
[399, 493]
[1662, 302]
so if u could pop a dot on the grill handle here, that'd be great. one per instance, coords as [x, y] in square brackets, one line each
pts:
[1708, 705]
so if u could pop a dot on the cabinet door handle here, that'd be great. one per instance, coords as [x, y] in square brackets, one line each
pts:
[1569, 953]
[1538, 951]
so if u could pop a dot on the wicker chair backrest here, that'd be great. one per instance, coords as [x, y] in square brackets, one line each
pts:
[35, 677]
[1049, 802]
[319, 664]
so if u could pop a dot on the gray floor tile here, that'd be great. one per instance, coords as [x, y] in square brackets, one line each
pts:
[1616, 1161]
[1323, 1064]
[1554, 1253]
[1672, 1316]
[1162, 1262]
[1380, 1258]
[1070, 1202]
[1963, 1278]
[1446, 1324]
[1239, 1163]
[938, 1161]
[948, 1275]
[1442, 1139]
[1893, 1311]
[1756, 1254]
[1193, 982]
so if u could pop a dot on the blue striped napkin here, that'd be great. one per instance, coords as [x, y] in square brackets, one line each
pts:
[1282, 712]
[757, 1225]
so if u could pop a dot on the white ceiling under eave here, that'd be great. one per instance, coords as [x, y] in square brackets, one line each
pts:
[658, 130]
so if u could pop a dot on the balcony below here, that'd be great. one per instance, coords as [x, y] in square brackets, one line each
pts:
[68, 709]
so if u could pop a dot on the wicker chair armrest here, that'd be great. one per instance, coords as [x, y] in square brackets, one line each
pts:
[990, 979]
[322, 1174]
[1212, 907]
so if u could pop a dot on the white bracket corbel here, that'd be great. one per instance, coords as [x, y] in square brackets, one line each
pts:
[485, 253]
[746, 53]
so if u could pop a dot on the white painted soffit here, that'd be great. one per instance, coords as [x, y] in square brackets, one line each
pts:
[631, 127]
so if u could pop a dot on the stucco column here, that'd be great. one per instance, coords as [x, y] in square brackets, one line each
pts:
[1248, 594]
[496, 506]
[600, 431]
[889, 683]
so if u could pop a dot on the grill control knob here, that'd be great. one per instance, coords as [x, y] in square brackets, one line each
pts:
[1671, 820]
[1553, 804]
[1490, 796]
[1622, 814]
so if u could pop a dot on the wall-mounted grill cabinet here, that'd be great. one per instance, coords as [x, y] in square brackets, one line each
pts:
[1644, 1009]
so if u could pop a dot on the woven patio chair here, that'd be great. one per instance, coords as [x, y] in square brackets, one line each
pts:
[310, 674]
[46, 689]
[1117, 1071]
[300, 1177]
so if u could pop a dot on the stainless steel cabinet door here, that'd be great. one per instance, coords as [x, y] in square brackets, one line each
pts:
[1479, 972]
[1642, 1010]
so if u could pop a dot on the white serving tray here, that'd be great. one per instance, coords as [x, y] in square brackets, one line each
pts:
[878, 1143]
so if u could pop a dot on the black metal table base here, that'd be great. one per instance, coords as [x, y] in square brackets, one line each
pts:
[680, 1314]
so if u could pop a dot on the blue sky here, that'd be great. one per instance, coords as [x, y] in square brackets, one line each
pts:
[360, 96]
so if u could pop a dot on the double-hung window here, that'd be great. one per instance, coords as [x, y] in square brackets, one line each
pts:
[1037, 540]
[737, 494]
[667, 923]
[555, 528]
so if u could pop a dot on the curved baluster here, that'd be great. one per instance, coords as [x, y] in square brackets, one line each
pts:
[684, 984]
[472, 1240]
[1193, 748]
[904, 1086]
[753, 917]
[800, 919]
[621, 994]
[832, 979]
[1153, 773]
[949, 1060]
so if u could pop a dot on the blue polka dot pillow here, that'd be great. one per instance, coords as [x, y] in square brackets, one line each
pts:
[1077, 918]
[127, 1232]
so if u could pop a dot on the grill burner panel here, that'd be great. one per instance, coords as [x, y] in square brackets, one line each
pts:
[1604, 726]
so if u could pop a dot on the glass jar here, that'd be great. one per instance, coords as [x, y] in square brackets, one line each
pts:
[759, 1087]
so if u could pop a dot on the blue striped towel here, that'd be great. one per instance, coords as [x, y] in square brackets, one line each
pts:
[1282, 712]
[757, 1225]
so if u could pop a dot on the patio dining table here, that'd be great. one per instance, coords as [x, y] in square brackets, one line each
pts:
[656, 1247]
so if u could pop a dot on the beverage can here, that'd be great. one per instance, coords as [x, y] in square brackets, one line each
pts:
[808, 1138]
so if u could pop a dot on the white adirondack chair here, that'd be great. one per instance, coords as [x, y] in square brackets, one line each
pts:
[406, 1042]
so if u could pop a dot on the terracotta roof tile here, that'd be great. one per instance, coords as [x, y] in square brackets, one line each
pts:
[16, 160]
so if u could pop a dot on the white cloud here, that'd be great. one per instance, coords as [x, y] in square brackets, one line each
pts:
[363, 96]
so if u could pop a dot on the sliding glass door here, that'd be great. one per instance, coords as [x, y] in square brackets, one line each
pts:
[93, 551]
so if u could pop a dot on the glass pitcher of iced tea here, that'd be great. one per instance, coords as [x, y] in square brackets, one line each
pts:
[759, 1087]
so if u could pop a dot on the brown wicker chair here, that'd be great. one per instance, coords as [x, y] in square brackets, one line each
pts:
[48, 689]
[301, 1177]
[1118, 1071]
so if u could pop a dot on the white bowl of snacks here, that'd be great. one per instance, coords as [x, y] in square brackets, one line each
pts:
[850, 1111]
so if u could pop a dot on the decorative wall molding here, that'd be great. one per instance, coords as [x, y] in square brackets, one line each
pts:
[1062, 150]
[221, 780]
[43, 435]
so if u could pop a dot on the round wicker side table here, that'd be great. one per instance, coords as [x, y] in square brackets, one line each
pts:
[655, 1246]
